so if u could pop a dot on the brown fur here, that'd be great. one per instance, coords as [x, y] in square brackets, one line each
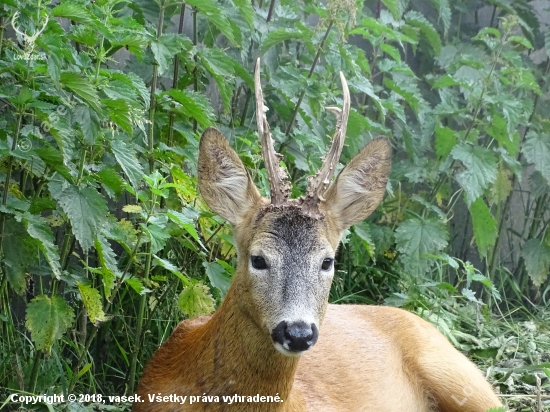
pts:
[366, 358]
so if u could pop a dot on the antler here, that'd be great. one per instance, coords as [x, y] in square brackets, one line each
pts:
[319, 183]
[279, 186]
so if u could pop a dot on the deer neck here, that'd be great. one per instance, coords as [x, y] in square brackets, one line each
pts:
[241, 357]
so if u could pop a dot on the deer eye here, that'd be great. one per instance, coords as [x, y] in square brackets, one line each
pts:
[258, 262]
[327, 264]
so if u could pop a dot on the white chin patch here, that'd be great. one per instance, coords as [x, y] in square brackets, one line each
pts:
[285, 351]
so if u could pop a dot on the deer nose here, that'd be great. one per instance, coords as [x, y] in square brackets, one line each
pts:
[295, 336]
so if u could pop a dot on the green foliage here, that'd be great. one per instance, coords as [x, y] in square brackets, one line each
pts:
[48, 319]
[100, 216]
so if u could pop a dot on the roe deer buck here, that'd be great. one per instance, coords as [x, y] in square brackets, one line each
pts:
[275, 334]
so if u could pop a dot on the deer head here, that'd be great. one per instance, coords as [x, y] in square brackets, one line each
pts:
[286, 247]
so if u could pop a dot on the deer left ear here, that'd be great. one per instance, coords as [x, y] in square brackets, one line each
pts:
[223, 180]
[360, 186]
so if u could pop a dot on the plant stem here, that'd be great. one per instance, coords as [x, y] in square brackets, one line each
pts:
[270, 12]
[150, 137]
[139, 326]
[35, 369]
[8, 179]
[195, 74]
[299, 102]
[175, 80]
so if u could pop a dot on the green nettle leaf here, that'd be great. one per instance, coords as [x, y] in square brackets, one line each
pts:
[536, 254]
[502, 187]
[89, 123]
[157, 235]
[445, 13]
[192, 107]
[481, 169]
[220, 66]
[415, 238]
[214, 15]
[136, 284]
[445, 141]
[485, 226]
[54, 159]
[415, 19]
[169, 266]
[126, 158]
[218, 276]
[111, 181]
[394, 6]
[246, 10]
[119, 112]
[498, 129]
[19, 252]
[196, 300]
[38, 228]
[108, 262]
[92, 301]
[166, 47]
[278, 36]
[82, 87]
[87, 211]
[185, 223]
[48, 319]
[73, 12]
[537, 151]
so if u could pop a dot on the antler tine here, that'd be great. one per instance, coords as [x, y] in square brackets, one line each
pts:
[277, 176]
[319, 183]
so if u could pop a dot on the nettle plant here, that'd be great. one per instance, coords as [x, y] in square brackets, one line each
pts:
[105, 242]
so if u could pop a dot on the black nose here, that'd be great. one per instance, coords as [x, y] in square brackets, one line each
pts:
[295, 336]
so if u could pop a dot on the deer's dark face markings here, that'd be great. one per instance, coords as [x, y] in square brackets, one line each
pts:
[288, 278]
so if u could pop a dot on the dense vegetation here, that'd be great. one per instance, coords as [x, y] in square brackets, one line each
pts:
[106, 245]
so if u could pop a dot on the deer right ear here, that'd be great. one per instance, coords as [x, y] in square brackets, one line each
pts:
[223, 180]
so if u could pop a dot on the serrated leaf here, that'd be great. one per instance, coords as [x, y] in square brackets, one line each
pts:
[186, 224]
[72, 11]
[484, 225]
[499, 131]
[82, 87]
[416, 19]
[169, 266]
[157, 235]
[196, 300]
[108, 262]
[502, 187]
[54, 159]
[218, 276]
[136, 284]
[132, 208]
[537, 151]
[536, 255]
[445, 13]
[191, 106]
[125, 156]
[119, 113]
[394, 7]
[215, 15]
[445, 141]
[111, 181]
[87, 211]
[19, 251]
[38, 228]
[481, 169]
[89, 123]
[246, 10]
[92, 301]
[48, 319]
[220, 67]
[417, 237]
[278, 36]
[166, 47]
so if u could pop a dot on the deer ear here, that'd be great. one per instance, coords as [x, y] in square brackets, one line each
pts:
[360, 186]
[223, 180]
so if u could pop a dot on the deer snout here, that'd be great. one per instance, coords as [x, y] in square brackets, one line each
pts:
[294, 337]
